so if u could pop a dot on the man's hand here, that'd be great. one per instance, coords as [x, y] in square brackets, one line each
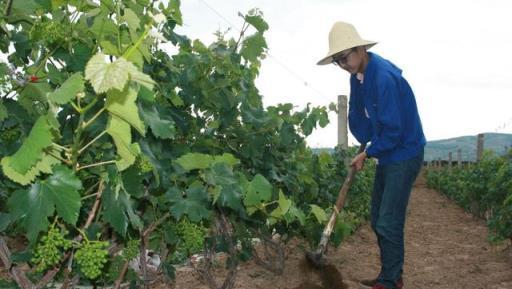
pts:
[358, 161]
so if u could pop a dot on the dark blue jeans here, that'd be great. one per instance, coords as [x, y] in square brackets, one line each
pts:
[391, 191]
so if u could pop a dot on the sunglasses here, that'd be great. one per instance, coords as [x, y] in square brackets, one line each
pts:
[342, 58]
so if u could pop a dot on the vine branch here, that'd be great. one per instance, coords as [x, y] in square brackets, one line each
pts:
[96, 164]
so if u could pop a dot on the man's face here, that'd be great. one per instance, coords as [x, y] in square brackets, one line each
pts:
[350, 60]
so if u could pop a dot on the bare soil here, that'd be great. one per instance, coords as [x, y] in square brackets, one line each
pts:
[446, 248]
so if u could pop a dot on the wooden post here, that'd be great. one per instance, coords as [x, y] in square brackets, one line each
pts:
[342, 122]
[449, 159]
[343, 126]
[459, 158]
[480, 147]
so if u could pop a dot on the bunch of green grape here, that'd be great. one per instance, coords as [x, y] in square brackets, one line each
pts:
[48, 251]
[144, 165]
[91, 257]
[192, 235]
[10, 135]
[131, 250]
[48, 32]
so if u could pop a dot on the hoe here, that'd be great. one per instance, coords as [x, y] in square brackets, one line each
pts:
[317, 257]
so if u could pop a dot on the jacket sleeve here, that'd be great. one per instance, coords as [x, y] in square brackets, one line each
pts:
[360, 126]
[388, 117]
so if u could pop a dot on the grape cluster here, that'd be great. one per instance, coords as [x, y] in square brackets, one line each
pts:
[91, 257]
[48, 32]
[49, 249]
[192, 234]
[144, 165]
[10, 135]
[131, 250]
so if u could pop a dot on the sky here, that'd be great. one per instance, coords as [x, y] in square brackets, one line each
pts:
[453, 53]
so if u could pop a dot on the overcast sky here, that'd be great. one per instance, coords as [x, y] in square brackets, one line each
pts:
[455, 55]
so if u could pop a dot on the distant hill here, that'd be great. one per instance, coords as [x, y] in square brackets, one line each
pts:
[499, 143]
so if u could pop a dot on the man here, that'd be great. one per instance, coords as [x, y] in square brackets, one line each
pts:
[382, 111]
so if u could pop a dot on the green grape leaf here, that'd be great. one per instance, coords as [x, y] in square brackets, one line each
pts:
[227, 189]
[3, 111]
[118, 210]
[105, 75]
[192, 161]
[175, 99]
[34, 208]
[55, 75]
[323, 120]
[4, 69]
[140, 77]
[25, 7]
[319, 213]
[120, 132]
[340, 232]
[109, 48]
[68, 90]
[133, 181]
[175, 12]
[5, 221]
[122, 104]
[257, 22]
[221, 174]
[31, 151]
[258, 191]
[132, 20]
[57, 4]
[320, 115]
[226, 158]
[284, 203]
[113, 212]
[146, 95]
[42, 166]
[59, 191]
[253, 47]
[229, 196]
[308, 125]
[161, 128]
[282, 209]
[103, 25]
[295, 213]
[63, 187]
[193, 203]
[33, 97]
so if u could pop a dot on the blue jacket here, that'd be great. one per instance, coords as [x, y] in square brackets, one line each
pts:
[383, 111]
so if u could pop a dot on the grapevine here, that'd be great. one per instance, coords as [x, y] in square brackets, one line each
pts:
[90, 98]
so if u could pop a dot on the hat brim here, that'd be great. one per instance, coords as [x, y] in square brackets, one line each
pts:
[328, 59]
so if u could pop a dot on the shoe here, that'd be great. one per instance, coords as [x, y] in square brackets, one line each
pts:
[371, 283]
[399, 283]
[379, 286]
[368, 283]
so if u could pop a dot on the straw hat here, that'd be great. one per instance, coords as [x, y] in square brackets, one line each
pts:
[343, 36]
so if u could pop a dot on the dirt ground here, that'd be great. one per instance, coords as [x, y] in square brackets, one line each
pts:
[446, 248]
